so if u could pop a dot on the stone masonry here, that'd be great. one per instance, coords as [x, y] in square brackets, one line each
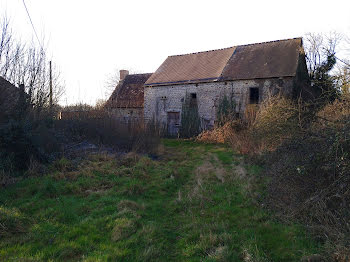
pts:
[162, 99]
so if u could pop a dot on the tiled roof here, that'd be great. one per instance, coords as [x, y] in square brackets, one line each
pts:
[192, 67]
[261, 60]
[129, 92]
[264, 60]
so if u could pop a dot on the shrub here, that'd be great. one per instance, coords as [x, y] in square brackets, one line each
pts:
[37, 138]
[305, 148]
[111, 133]
[235, 133]
[263, 127]
[310, 174]
[147, 138]
[226, 110]
[26, 139]
[63, 164]
[219, 134]
[278, 119]
[190, 120]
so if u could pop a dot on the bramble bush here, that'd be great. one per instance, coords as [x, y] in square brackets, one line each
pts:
[305, 148]
[33, 139]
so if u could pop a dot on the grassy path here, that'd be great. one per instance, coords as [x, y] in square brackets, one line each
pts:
[192, 204]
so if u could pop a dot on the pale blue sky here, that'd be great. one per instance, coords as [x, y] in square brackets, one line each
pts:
[89, 39]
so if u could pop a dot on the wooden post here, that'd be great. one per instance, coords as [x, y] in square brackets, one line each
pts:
[50, 85]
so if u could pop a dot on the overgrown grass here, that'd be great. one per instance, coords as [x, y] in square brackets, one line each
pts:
[191, 204]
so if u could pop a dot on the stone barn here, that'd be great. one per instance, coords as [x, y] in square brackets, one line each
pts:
[126, 101]
[247, 74]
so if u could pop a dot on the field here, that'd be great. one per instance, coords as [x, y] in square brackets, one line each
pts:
[191, 202]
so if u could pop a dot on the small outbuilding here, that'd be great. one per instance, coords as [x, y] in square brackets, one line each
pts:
[126, 101]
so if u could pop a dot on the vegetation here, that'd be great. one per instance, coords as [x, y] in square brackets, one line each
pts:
[226, 110]
[308, 150]
[196, 202]
[315, 164]
[28, 64]
[190, 120]
[31, 138]
[27, 112]
[303, 146]
[141, 200]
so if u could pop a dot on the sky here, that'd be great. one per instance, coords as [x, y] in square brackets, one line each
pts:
[88, 40]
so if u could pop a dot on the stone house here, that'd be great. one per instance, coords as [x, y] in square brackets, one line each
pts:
[126, 101]
[11, 99]
[247, 74]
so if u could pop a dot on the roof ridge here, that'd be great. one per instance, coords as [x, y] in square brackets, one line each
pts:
[274, 41]
[194, 53]
[139, 74]
[266, 42]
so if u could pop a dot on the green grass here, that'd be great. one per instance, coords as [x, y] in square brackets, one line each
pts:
[187, 206]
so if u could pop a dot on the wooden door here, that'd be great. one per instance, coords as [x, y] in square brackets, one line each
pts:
[173, 123]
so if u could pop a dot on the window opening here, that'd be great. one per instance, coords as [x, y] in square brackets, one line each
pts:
[254, 95]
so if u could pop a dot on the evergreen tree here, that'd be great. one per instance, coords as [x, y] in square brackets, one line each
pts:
[190, 120]
[324, 81]
[226, 110]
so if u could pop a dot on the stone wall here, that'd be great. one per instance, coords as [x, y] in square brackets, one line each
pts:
[159, 100]
[127, 114]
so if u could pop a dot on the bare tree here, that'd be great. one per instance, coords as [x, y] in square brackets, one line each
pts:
[27, 64]
[112, 82]
[318, 49]
[100, 103]
[342, 77]
[347, 48]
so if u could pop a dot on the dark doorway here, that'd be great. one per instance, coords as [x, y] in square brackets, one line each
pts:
[254, 95]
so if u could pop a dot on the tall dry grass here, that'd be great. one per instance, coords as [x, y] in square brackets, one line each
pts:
[112, 132]
[305, 148]
[262, 128]
[35, 139]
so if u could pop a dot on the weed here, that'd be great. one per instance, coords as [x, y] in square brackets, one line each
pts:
[62, 164]
[123, 228]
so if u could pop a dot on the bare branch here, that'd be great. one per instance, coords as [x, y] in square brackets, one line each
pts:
[27, 64]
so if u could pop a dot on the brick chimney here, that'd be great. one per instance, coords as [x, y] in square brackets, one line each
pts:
[123, 74]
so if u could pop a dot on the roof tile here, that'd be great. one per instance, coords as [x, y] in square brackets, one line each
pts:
[129, 92]
[261, 60]
[192, 67]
